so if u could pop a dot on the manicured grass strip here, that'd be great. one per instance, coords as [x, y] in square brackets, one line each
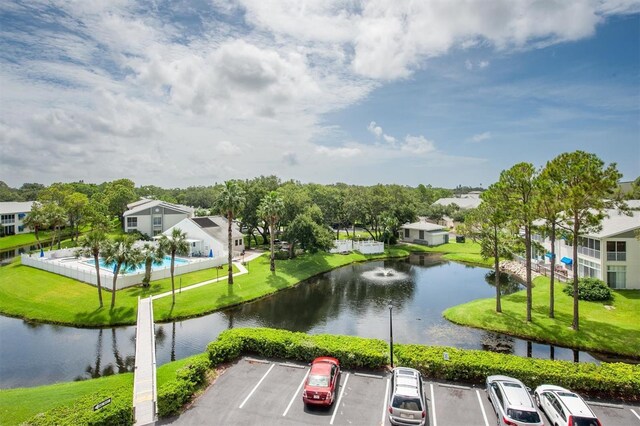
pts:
[259, 282]
[21, 404]
[35, 294]
[468, 252]
[39, 295]
[602, 330]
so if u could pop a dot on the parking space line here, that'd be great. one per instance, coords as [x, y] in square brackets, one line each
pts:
[297, 394]
[372, 376]
[386, 401]
[259, 361]
[285, 364]
[337, 406]
[484, 414]
[446, 385]
[636, 414]
[605, 404]
[256, 386]
[433, 406]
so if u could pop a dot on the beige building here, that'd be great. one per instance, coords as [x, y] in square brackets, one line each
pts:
[424, 233]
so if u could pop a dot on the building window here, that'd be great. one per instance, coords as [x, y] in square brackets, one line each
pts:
[586, 268]
[20, 228]
[157, 232]
[589, 247]
[407, 233]
[132, 222]
[157, 221]
[617, 276]
[617, 250]
[421, 235]
[21, 215]
[7, 218]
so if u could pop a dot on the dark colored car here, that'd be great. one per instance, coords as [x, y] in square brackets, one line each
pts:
[322, 382]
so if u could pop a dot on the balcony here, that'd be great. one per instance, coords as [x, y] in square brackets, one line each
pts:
[617, 256]
[589, 252]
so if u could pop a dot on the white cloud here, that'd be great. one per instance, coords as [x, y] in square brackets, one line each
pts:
[480, 137]
[483, 64]
[418, 145]
[227, 148]
[375, 129]
[468, 65]
[341, 152]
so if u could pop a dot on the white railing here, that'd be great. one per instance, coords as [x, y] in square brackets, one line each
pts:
[369, 247]
[88, 275]
[341, 246]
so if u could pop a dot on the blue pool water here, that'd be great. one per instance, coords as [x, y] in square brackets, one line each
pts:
[166, 263]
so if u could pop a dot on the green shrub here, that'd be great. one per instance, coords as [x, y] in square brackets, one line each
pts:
[612, 380]
[118, 412]
[591, 289]
[175, 393]
[353, 352]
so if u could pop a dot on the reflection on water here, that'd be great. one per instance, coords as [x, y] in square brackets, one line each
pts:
[343, 301]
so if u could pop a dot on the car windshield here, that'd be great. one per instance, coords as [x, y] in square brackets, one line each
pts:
[410, 403]
[581, 421]
[318, 380]
[524, 416]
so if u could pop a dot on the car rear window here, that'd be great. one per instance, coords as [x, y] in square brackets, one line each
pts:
[407, 403]
[317, 380]
[582, 421]
[524, 416]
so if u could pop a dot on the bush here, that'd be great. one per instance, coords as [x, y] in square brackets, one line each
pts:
[353, 352]
[609, 380]
[118, 412]
[591, 289]
[174, 394]
[615, 380]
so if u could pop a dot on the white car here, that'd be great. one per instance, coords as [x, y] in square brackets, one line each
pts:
[512, 402]
[563, 407]
[407, 404]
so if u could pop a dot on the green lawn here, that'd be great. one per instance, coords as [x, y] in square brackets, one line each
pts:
[43, 296]
[38, 295]
[19, 240]
[468, 252]
[615, 331]
[19, 405]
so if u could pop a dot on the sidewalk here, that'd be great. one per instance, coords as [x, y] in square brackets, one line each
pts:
[250, 255]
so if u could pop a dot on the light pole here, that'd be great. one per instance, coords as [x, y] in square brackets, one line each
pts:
[391, 333]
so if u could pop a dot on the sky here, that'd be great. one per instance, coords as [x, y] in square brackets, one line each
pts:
[440, 92]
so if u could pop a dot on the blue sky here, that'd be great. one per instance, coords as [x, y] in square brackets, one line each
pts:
[439, 92]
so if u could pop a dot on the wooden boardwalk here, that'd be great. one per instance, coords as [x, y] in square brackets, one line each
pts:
[144, 383]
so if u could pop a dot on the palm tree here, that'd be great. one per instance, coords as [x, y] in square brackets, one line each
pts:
[123, 256]
[176, 243]
[152, 254]
[91, 245]
[36, 220]
[270, 209]
[229, 203]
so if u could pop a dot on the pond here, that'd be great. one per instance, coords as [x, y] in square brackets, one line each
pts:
[351, 300]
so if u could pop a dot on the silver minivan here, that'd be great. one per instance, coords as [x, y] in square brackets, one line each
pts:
[512, 401]
[407, 404]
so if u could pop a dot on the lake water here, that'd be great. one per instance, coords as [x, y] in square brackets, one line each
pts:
[351, 300]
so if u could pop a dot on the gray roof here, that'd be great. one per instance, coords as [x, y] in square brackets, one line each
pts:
[217, 227]
[144, 204]
[464, 202]
[8, 207]
[617, 223]
[422, 226]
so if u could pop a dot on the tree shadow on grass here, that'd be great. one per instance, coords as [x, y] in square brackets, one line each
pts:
[98, 317]
[230, 298]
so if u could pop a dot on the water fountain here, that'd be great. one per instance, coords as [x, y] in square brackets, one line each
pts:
[384, 275]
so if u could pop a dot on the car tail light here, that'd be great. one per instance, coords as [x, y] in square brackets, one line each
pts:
[570, 421]
[390, 410]
[598, 421]
[508, 422]
[424, 413]
[304, 394]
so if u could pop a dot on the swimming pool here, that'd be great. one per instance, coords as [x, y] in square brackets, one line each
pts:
[166, 263]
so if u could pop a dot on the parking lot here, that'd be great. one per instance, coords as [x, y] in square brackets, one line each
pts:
[262, 392]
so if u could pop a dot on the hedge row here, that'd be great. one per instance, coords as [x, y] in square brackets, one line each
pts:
[353, 352]
[174, 394]
[118, 412]
[607, 380]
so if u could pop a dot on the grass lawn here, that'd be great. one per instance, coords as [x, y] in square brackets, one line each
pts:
[468, 252]
[34, 294]
[39, 295]
[615, 331]
[19, 405]
[19, 240]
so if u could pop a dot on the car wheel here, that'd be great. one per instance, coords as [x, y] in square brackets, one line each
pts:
[537, 398]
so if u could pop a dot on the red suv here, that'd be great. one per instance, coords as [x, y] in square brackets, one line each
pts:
[320, 386]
